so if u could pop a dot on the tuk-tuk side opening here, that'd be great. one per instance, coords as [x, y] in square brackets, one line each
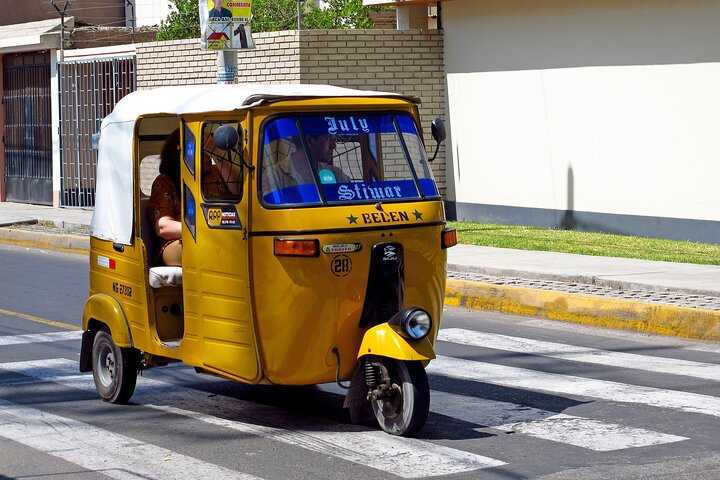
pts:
[165, 283]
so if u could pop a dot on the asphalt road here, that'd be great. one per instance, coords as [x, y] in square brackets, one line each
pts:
[512, 397]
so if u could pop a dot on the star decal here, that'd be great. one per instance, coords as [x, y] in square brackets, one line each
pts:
[352, 218]
[418, 215]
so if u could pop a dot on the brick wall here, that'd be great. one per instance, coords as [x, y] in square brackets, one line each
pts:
[409, 62]
[403, 61]
[276, 59]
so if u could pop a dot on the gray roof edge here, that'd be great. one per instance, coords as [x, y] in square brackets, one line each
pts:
[32, 36]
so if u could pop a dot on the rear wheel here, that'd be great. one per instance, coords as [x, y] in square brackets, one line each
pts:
[401, 405]
[114, 369]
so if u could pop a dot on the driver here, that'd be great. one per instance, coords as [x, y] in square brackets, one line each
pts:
[298, 169]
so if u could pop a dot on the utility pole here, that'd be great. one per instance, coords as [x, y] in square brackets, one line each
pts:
[299, 14]
[130, 4]
[62, 25]
[227, 66]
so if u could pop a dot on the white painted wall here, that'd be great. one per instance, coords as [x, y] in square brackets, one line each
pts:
[149, 12]
[607, 106]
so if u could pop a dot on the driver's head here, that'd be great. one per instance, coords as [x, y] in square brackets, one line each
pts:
[322, 147]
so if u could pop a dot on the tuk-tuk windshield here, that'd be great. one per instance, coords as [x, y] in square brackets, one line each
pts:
[341, 158]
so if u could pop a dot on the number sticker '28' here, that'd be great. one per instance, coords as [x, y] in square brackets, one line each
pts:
[340, 265]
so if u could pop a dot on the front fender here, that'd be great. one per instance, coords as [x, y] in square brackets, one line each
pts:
[107, 310]
[384, 341]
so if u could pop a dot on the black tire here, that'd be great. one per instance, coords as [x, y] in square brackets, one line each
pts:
[405, 411]
[114, 369]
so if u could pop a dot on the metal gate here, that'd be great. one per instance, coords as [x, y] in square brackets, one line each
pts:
[27, 132]
[89, 90]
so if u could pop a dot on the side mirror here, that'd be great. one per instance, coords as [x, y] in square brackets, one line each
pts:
[438, 130]
[226, 137]
[437, 127]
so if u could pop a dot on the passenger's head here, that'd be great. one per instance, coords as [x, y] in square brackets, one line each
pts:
[170, 157]
[322, 147]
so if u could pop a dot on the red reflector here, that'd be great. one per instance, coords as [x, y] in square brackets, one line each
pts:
[448, 238]
[289, 247]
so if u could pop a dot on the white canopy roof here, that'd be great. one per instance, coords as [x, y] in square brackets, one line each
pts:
[113, 216]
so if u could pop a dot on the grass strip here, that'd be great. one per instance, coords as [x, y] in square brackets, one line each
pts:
[585, 243]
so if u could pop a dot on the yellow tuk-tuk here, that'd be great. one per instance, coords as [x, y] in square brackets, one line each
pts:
[299, 271]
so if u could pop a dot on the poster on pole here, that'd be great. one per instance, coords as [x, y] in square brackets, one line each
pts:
[225, 24]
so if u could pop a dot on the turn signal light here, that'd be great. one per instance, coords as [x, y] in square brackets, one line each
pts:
[448, 238]
[297, 247]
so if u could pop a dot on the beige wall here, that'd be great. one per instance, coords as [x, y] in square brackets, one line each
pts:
[408, 62]
[501, 35]
[604, 106]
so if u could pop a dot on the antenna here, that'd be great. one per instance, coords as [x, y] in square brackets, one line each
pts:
[62, 24]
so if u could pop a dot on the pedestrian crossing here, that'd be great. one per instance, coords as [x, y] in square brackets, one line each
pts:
[112, 453]
[409, 458]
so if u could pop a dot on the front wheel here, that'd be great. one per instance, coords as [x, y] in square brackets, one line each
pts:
[114, 369]
[402, 403]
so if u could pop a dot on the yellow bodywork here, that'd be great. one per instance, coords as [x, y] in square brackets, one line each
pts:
[252, 316]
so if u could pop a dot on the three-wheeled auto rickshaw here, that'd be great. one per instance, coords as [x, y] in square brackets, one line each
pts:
[300, 271]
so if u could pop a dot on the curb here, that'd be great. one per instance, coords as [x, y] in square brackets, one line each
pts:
[594, 280]
[47, 241]
[585, 309]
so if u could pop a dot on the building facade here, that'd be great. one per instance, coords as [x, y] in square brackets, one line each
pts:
[58, 80]
[593, 115]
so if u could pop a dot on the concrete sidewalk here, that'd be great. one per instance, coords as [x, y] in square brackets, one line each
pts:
[11, 213]
[654, 297]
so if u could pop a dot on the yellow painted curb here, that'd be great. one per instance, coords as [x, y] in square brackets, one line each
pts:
[48, 241]
[586, 309]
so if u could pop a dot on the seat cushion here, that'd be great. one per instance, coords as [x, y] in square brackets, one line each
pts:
[165, 277]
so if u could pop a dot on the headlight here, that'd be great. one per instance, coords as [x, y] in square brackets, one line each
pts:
[414, 323]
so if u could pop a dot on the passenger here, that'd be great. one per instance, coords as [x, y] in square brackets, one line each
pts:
[222, 177]
[164, 206]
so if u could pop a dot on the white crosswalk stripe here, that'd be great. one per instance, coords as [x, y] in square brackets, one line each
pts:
[535, 422]
[405, 457]
[669, 366]
[99, 450]
[40, 338]
[572, 430]
[570, 385]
